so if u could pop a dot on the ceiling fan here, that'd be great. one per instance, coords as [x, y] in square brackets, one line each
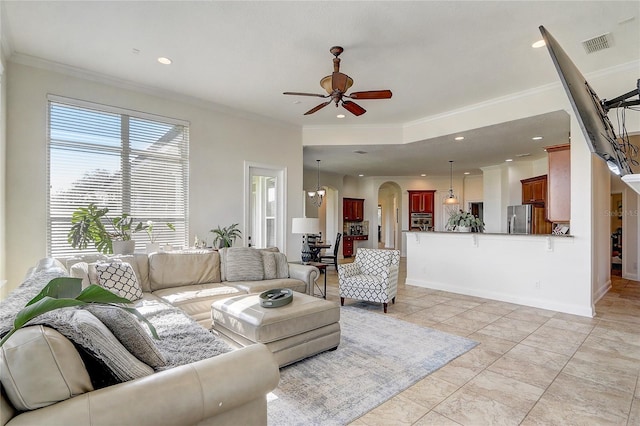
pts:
[337, 84]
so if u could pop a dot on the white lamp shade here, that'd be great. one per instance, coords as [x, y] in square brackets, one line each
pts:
[305, 225]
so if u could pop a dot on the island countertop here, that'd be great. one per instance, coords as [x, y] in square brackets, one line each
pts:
[489, 233]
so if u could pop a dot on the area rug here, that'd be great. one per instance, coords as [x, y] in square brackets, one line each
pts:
[378, 357]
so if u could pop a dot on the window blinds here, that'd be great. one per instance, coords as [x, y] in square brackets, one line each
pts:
[128, 162]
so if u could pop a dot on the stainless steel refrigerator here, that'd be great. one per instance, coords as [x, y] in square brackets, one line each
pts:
[519, 219]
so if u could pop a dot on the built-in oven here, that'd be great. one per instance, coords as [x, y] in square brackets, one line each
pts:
[422, 221]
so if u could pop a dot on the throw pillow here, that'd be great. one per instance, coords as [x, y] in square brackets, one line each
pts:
[85, 330]
[270, 266]
[39, 367]
[130, 332]
[243, 264]
[282, 266]
[119, 278]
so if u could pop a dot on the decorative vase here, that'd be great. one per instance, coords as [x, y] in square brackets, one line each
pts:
[153, 247]
[306, 253]
[123, 247]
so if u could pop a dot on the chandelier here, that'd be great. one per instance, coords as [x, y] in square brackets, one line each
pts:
[451, 199]
[318, 195]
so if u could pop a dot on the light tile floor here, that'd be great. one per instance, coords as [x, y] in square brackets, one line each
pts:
[532, 367]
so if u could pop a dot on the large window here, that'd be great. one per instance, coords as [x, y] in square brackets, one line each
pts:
[126, 161]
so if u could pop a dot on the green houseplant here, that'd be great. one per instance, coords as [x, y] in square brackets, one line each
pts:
[462, 221]
[225, 237]
[65, 292]
[91, 224]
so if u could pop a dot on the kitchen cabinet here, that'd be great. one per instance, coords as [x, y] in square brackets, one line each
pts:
[421, 201]
[353, 209]
[539, 222]
[534, 190]
[347, 244]
[559, 185]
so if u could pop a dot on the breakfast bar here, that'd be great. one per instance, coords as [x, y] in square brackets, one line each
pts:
[528, 270]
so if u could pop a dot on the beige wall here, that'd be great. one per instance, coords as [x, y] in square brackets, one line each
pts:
[220, 142]
[3, 168]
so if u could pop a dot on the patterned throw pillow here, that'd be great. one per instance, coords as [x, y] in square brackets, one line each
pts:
[120, 279]
[270, 266]
[243, 264]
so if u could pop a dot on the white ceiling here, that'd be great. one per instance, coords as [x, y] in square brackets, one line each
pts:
[435, 56]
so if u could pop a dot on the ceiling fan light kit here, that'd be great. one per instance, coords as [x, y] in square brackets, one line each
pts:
[336, 86]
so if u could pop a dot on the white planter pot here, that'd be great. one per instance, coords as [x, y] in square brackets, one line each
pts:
[153, 247]
[124, 247]
[463, 228]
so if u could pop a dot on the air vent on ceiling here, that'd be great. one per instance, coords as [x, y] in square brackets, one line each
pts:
[595, 44]
[527, 154]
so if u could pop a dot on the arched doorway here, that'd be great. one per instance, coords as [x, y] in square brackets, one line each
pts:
[389, 214]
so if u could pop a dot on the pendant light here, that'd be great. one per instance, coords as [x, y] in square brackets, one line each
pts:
[451, 199]
[318, 195]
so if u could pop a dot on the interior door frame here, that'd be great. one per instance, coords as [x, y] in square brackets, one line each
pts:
[281, 186]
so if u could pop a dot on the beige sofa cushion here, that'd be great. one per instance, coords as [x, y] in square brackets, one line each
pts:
[175, 269]
[39, 367]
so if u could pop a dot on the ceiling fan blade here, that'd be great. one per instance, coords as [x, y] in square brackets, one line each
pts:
[371, 94]
[353, 108]
[316, 108]
[339, 81]
[305, 94]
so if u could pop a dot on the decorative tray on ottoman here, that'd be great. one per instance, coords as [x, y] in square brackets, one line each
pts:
[276, 297]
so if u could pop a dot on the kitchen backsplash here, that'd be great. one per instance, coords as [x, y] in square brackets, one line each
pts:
[356, 228]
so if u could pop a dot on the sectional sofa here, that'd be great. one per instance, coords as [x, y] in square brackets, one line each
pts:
[58, 374]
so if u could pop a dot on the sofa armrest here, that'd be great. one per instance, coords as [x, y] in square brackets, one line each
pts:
[346, 270]
[306, 273]
[185, 395]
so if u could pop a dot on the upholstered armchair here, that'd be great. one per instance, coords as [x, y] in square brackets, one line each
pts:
[373, 276]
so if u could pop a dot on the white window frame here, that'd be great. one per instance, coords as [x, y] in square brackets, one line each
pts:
[174, 238]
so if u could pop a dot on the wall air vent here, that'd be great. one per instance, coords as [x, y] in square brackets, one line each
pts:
[600, 42]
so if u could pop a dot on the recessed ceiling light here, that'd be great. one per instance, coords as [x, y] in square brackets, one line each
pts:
[361, 175]
[164, 61]
[340, 116]
[538, 44]
[423, 175]
[459, 138]
[509, 159]
[537, 138]
[467, 173]
[297, 102]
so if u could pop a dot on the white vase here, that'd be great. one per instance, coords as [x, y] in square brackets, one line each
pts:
[153, 247]
[123, 247]
[463, 228]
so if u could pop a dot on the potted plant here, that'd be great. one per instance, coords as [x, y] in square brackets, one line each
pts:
[64, 292]
[150, 229]
[225, 237]
[464, 222]
[91, 224]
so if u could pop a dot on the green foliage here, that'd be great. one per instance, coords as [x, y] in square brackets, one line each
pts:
[65, 292]
[88, 225]
[465, 219]
[225, 237]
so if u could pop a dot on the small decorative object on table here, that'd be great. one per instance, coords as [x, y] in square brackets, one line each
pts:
[276, 297]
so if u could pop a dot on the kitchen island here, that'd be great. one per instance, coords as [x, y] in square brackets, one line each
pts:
[532, 270]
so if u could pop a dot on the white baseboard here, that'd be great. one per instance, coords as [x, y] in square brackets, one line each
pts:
[585, 311]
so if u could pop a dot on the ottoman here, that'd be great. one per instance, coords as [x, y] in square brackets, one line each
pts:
[306, 326]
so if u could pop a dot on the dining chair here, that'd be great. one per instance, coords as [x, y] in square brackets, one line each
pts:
[333, 258]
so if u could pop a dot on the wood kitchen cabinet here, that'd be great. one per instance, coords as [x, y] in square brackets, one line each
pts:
[347, 243]
[534, 190]
[353, 209]
[559, 185]
[421, 201]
